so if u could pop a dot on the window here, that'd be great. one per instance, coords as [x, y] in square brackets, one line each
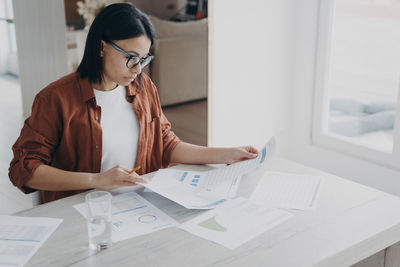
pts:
[358, 79]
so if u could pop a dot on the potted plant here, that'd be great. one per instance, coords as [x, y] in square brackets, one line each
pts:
[88, 9]
[7, 20]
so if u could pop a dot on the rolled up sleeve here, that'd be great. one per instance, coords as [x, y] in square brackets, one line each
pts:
[170, 140]
[36, 143]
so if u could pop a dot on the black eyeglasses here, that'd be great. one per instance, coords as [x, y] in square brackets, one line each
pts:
[133, 60]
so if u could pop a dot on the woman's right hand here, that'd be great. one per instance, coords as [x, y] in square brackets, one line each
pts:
[116, 177]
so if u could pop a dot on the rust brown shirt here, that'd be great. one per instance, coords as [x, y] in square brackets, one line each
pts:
[64, 131]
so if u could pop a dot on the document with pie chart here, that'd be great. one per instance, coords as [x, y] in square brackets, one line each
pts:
[235, 222]
[132, 215]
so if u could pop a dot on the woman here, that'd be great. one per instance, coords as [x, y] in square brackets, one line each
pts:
[89, 128]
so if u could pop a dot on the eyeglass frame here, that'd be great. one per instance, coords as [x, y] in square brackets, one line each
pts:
[141, 59]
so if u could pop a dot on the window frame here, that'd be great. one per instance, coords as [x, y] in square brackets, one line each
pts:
[319, 134]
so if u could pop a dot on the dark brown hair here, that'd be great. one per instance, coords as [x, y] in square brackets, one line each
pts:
[115, 22]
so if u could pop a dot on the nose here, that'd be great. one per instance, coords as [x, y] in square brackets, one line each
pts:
[137, 69]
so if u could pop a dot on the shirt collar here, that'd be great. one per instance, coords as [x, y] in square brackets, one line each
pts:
[86, 89]
[133, 89]
[87, 92]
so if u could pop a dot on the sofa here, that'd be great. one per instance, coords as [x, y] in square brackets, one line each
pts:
[179, 68]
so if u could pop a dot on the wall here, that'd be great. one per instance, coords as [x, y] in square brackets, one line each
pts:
[301, 148]
[250, 71]
[40, 32]
[262, 83]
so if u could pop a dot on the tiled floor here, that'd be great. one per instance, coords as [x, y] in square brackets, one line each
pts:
[189, 122]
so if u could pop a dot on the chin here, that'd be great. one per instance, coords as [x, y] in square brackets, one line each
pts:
[125, 83]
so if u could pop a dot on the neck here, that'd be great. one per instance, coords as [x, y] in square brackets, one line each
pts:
[105, 86]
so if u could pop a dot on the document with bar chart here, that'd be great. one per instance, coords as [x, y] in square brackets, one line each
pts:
[206, 189]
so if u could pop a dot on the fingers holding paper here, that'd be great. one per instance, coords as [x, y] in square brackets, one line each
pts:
[237, 154]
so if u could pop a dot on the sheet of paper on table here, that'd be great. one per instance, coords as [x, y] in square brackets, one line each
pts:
[21, 237]
[132, 216]
[206, 189]
[288, 190]
[235, 222]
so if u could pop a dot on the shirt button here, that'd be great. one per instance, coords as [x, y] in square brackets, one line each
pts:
[97, 146]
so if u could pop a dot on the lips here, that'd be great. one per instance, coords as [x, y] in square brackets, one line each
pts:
[131, 79]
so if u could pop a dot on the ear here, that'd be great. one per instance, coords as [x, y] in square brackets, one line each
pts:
[102, 43]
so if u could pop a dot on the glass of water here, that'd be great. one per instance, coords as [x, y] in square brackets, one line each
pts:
[98, 204]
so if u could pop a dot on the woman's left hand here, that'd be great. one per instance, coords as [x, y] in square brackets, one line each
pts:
[236, 154]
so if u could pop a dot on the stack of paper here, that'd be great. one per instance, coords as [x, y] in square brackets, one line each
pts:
[239, 220]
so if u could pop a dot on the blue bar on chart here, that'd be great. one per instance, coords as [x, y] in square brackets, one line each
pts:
[183, 176]
[264, 153]
[195, 180]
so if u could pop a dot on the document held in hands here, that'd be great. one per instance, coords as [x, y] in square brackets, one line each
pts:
[206, 189]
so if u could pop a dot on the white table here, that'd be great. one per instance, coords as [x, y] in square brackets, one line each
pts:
[351, 223]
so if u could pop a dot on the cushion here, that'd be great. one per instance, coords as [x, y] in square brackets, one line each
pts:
[168, 29]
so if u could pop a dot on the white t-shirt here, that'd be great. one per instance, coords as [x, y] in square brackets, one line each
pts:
[120, 129]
